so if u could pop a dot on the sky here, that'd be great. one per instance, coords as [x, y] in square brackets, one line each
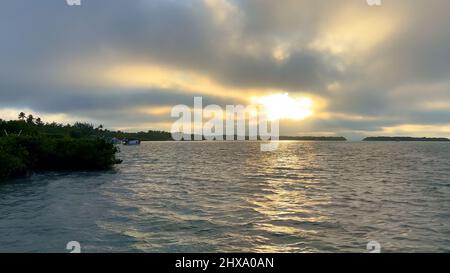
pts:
[124, 64]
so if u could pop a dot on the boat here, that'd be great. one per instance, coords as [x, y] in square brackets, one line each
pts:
[115, 141]
[131, 142]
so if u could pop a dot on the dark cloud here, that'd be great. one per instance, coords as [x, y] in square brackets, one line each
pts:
[233, 44]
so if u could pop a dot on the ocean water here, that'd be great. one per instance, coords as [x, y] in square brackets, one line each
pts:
[231, 197]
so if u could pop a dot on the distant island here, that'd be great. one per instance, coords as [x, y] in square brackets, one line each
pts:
[426, 139]
[294, 138]
[313, 138]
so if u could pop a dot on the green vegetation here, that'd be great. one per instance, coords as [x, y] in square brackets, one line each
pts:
[28, 125]
[427, 139]
[28, 145]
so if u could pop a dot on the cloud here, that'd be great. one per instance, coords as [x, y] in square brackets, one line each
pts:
[113, 61]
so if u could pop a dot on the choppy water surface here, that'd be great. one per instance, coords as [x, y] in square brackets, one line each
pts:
[207, 197]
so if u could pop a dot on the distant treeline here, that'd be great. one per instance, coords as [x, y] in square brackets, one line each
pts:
[30, 126]
[235, 137]
[313, 138]
[426, 139]
[143, 136]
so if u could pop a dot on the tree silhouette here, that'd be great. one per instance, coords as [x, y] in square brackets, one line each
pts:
[22, 116]
[30, 119]
[39, 121]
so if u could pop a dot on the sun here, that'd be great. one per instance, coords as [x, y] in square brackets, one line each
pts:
[282, 106]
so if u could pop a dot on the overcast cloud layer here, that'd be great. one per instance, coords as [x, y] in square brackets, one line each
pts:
[372, 70]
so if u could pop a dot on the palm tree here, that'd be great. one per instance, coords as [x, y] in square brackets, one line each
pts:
[22, 116]
[39, 121]
[30, 119]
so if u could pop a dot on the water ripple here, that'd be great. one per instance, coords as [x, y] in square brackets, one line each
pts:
[230, 197]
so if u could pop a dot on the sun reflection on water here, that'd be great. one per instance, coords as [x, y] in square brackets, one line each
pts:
[292, 196]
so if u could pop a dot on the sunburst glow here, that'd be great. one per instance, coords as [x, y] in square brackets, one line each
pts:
[282, 106]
